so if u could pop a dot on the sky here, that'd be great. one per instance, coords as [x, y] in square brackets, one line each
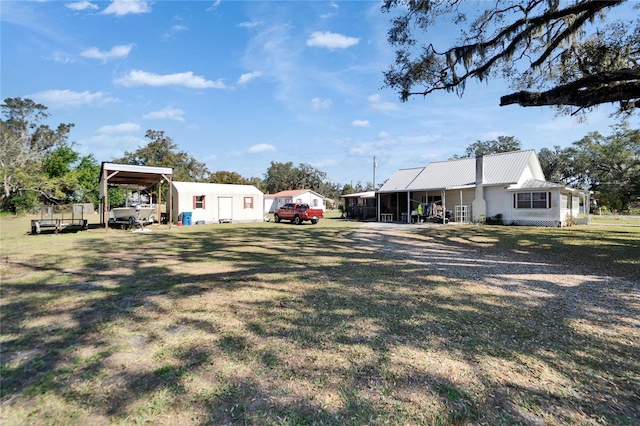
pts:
[239, 84]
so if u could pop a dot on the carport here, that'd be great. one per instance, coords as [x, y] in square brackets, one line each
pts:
[127, 175]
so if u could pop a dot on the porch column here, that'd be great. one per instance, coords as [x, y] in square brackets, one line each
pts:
[409, 207]
[444, 207]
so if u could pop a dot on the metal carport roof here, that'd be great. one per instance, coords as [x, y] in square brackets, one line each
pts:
[132, 176]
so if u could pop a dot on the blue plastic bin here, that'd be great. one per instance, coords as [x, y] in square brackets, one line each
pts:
[186, 218]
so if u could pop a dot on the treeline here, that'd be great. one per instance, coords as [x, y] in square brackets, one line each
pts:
[40, 166]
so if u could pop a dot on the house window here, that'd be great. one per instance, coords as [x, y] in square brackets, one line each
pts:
[248, 202]
[532, 200]
[315, 202]
[198, 201]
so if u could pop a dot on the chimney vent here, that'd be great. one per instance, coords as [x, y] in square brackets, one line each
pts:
[479, 169]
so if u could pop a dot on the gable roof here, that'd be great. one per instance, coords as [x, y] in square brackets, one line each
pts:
[499, 169]
[294, 193]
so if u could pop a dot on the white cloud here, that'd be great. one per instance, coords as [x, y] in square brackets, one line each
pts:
[260, 148]
[360, 123]
[487, 136]
[331, 40]
[377, 103]
[61, 57]
[125, 7]
[106, 146]
[173, 31]
[184, 79]
[245, 78]
[121, 128]
[115, 52]
[167, 113]
[251, 24]
[317, 103]
[81, 5]
[68, 98]
[214, 5]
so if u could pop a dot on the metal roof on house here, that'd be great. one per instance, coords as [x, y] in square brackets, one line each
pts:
[203, 188]
[535, 184]
[499, 169]
[401, 179]
[367, 194]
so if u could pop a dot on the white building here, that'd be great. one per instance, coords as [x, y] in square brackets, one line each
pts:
[277, 200]
[508, 185]
[217, 203]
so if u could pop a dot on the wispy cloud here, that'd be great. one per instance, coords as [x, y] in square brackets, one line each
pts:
[260, 148]
[317, 103]
[122, 128]
[125, 7]
[62, 57]
[360, 123]
[245, 78]
[70, 99]
[376, 102]
[184, 79]
[250, 24]
[173, 31]
[81, 5]
[214, 5]
[331, 40]
[168, 113]
[116, 52]
[255, 149]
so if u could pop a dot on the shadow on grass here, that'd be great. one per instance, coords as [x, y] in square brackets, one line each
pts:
[304, 325]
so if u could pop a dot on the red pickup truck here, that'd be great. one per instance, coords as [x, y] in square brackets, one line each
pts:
[297, 213]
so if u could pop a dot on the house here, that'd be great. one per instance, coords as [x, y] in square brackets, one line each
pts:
[510, 186]
[216, 202]
[361, 205]
[277, 200]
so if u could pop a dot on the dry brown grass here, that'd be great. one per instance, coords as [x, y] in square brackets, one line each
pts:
[278, 324]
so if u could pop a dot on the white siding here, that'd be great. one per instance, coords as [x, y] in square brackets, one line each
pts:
[183, 193]
[498, 201]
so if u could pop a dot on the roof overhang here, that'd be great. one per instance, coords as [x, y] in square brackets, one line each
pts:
[127, 174]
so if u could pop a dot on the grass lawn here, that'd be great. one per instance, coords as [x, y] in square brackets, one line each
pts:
[332, 324]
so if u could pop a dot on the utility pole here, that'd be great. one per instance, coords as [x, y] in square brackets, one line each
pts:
[374, 172]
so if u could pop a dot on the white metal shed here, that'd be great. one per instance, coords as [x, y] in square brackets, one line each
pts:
[217, 203]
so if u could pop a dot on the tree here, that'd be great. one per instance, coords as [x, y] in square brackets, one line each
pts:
[554, 53]
[557, 165]
[610, 165]
[24, 143]
[503, 144]
[223, 176]
[161, 151]
[284, 176]
[88, 175]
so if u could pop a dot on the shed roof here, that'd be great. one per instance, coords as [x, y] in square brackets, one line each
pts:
[203, 188]
[128, 174]
[367, 194]
[503, 168]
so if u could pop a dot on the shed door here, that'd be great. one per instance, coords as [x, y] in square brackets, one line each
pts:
[225, 208]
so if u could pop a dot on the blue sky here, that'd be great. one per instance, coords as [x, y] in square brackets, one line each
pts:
[238, 84]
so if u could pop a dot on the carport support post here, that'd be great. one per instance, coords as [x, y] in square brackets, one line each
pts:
[105, 200]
